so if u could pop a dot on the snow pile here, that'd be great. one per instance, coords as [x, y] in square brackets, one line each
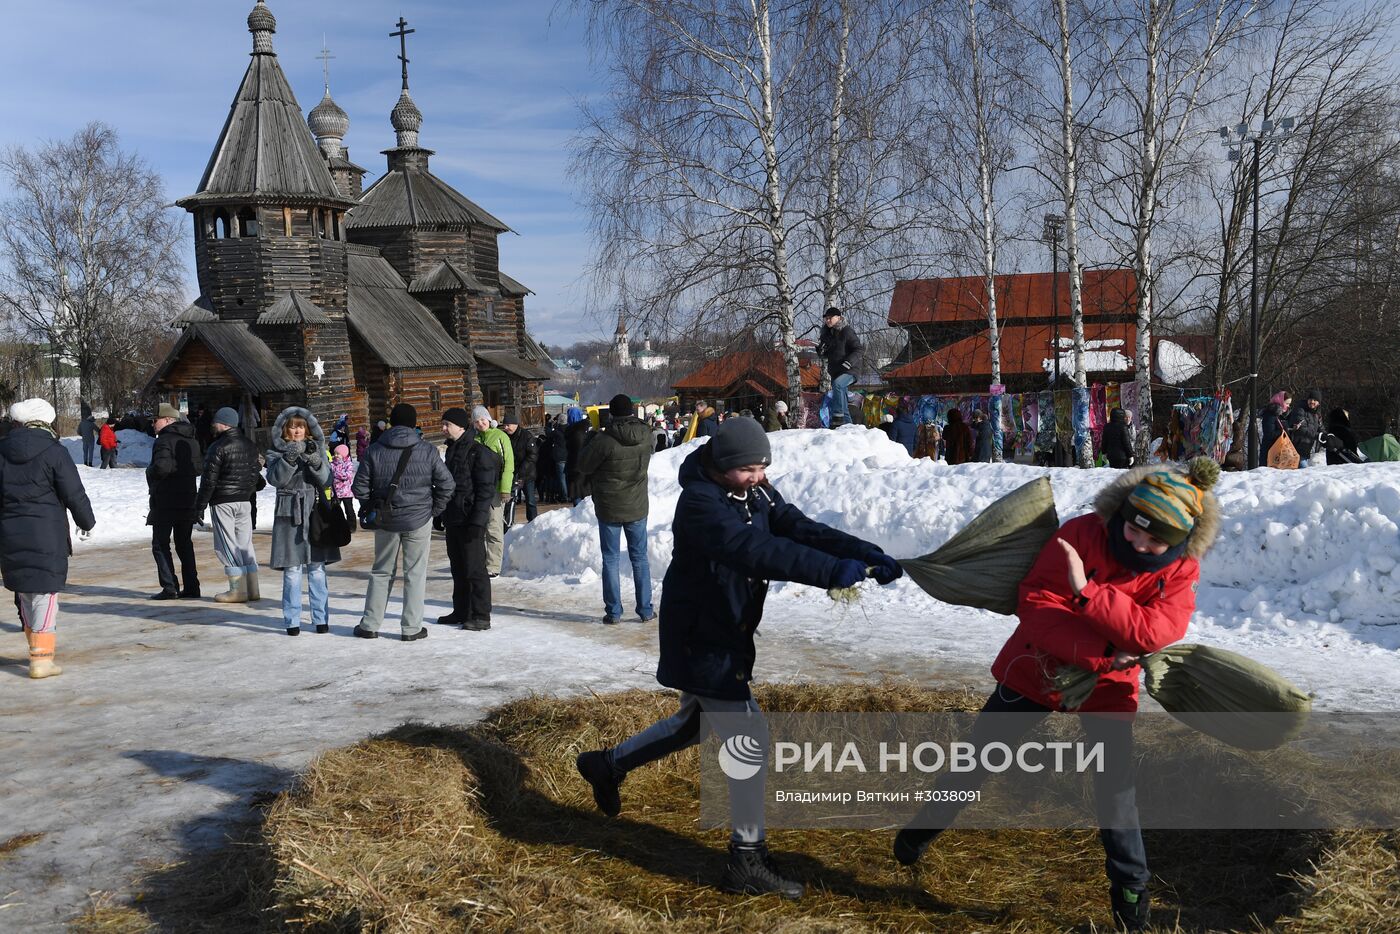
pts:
[134, 449]
[1313, 546]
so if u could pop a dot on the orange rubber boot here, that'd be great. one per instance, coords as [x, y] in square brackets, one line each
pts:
[41, 649]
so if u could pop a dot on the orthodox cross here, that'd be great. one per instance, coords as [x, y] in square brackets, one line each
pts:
[402, 35]
[325, 58]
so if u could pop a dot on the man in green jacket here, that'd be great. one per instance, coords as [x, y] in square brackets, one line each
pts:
[614, 464]
[498, 441]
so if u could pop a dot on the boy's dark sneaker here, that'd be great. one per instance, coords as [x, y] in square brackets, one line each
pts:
[477, 625]
[611, 620]
[165, 595]
[598, 771]
[451, 619]
[1130, 908]
[363, 633]
[751, 871]
[911, 842]
[189, 593]
[294, 630]
[648, 618]
[323, 628]
[422, 633]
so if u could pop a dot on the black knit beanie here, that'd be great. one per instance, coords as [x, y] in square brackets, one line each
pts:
[621, 405]
[457, 416]
[403, 414]
[740, 442]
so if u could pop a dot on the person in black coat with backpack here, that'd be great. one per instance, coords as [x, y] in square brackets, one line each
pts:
[476, 470]
[39, 488]
[175, 467]
[1117, 445]
[1342, 445]
[734, 534]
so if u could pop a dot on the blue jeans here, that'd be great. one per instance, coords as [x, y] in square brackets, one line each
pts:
[291, 594]
[840, 403]
[563, 490]
[609, 537]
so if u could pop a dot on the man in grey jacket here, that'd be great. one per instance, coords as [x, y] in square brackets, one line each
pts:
[406, 526]
[614, 465]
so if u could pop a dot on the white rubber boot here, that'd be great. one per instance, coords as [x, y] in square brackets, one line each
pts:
[237, 589]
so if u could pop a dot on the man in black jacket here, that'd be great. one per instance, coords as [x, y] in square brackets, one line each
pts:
[476, 470]
[171, 479]
[39, 489]
[840, 348]
[231, 479]
[526, 452]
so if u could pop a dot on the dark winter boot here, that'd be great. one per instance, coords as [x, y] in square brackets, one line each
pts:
[1130, 908]
[751, 871]
[597, 769]
[911, 842]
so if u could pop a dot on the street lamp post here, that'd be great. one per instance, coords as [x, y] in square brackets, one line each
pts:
[1271, 135]
[1054, 224]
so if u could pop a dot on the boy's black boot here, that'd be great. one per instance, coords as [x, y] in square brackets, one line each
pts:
[1130, 908]
[911, 842]
[751, 871]
[597, 769]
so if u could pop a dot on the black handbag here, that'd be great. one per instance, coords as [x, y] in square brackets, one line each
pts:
[329, 527]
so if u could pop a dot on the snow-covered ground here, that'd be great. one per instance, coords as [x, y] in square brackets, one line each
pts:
[170, 717]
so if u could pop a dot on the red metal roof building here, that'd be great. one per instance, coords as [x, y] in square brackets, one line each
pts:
[743, 379]
[949, 349]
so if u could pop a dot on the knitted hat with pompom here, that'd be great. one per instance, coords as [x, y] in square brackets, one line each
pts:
[1167, 503]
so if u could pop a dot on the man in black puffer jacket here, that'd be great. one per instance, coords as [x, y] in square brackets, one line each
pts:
[171, 479]
[614, 468]
[423, 491]
[39, 487]
[232, 477]
[527, 452]
[476, 471]
[733, 535]
[840, 348]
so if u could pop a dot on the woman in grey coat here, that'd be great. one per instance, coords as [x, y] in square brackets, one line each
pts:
[297, 466]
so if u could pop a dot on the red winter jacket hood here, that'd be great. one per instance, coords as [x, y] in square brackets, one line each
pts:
[107, 438]
[1117, 611]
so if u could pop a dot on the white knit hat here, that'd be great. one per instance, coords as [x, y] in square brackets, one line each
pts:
[780, 407]
[32, 410]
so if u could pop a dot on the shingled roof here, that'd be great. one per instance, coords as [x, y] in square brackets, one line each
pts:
[393, 325]
[201, 309]
[448, 277]
[251, 362]
[724, 371]
[406, 196]
[265, 149]
[1030, 296]
[294, 308]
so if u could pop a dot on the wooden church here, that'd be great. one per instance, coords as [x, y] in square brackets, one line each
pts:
[315, 292]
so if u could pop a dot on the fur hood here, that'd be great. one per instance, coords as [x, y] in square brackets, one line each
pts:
[313, 427]
[1112, 497]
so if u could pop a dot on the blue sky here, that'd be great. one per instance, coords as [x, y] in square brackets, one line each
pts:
[498, 84]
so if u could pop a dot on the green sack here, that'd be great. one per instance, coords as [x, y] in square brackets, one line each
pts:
[1220, 693]
[983, 564]
[1223, 694]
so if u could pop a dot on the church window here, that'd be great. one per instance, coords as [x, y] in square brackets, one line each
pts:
[435, 398]
[247, 223]
[335, 217]
[327, 230]
[490, 312]
[221, 228]
[315, 217]
[286, 222]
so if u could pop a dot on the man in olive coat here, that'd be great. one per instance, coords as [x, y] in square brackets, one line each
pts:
[614, 465]
[171, 478]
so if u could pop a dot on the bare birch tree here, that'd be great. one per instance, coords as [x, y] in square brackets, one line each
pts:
[1163, 58]
[89, 255]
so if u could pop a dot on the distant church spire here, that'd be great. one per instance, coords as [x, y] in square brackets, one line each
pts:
[262, 24]
[620, 348]
[405, 118]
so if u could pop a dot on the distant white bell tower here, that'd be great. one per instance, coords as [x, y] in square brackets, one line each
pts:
[624, 356]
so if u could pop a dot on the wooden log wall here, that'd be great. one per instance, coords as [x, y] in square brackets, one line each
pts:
[431, 392]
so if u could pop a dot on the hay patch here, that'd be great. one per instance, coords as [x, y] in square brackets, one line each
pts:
[488, 827]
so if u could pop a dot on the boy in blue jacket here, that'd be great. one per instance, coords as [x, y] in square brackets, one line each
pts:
[733, 535]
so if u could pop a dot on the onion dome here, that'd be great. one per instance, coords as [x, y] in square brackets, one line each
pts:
[262, 24]
[406, 119]
[328, 122]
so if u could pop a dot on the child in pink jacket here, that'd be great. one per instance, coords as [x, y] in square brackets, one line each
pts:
[342, 476]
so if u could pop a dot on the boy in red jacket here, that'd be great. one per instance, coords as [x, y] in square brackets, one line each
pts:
[107, 440]
[1109, 588]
